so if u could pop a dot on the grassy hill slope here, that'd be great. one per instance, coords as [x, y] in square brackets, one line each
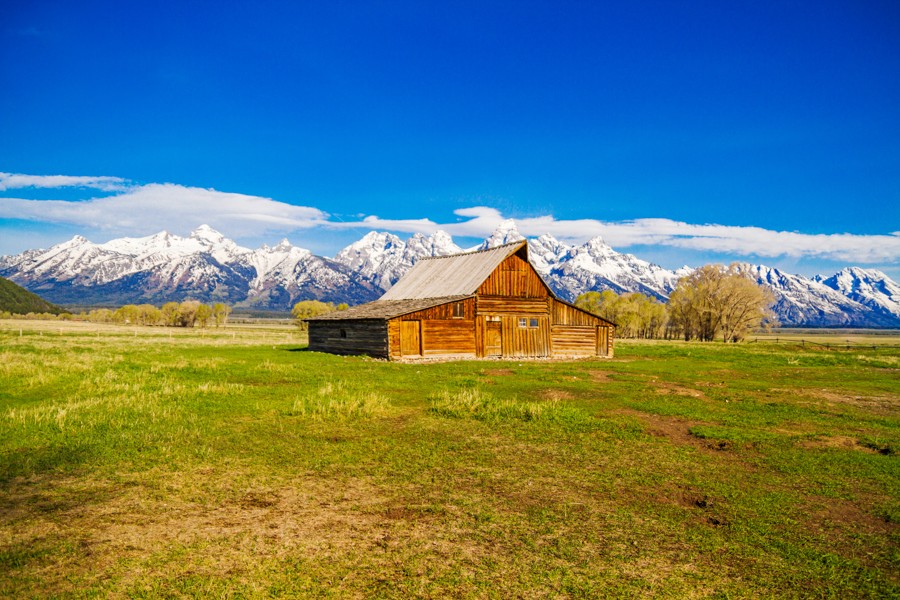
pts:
[17, 300]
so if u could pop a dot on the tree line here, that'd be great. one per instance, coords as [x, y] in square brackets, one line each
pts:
[713, 302]
[190, 313]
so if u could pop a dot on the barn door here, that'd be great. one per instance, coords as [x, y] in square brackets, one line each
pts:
[410, 338]
[603, 341]
[493, 339]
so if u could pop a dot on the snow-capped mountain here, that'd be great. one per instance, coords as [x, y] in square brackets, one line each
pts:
[210, 267]
[162, 267]
[869, 287]
[505, 233]
[803, 301]
[383, 258]
[594, 265]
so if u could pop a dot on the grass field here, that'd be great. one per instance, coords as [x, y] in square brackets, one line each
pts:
[151, 462]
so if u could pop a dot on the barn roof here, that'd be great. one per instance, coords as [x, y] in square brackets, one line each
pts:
[455, 275]
[386, 309]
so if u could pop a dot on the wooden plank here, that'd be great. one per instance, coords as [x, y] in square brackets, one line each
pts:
[410, 338]
[448, 337]
[574, 340]
[444, 311]
[394, 338]
[500, 305]
[349, 337]
[525, 341]
[493, 339]
[514, 277]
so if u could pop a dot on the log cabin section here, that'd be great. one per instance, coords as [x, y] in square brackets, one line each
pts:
[485, 304]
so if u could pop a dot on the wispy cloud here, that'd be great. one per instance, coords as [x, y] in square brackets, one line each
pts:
[145, 209]
[154, 207]
[9, 181]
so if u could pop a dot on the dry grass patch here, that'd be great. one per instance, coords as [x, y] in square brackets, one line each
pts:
[115, 524]
[553, 395]
[600, 376]
[498, 372]
[678, 390]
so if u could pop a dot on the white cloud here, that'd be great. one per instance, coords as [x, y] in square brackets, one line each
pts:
[154, 207]
[9, 181]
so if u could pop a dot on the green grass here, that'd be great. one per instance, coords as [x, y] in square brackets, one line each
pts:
[152, 462]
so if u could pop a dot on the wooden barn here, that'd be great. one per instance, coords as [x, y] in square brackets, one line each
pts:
[490, 303]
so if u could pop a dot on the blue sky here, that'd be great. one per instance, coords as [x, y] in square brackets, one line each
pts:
[684, 132]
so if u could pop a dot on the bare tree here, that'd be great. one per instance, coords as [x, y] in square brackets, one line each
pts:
[717, 300]
[220, 313]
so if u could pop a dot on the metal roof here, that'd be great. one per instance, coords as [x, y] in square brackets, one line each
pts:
[386, 309]
[454, 275]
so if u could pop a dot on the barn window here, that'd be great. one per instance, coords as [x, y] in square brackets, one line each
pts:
[533, 323]
[459, 310]
[343, 333]
[523, 322]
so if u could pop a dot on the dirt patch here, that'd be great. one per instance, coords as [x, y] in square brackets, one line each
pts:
[120, 522]
[239, 525]
[844, 442]
[674, 428]
[678, 430]
[497, 372]
[877, 404]
[842, 522]
[831, 441]
[710, 384]
[671, 389]
[555, 395]
[600, 376]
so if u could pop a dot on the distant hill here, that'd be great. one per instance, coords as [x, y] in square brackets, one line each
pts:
[18, 300]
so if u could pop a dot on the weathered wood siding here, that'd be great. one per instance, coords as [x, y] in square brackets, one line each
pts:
[442, 334]
[576, 332]
[515, 277]
[525, 341]
[451, 338]
[563, 314]
[360, 336]
[605, 338]
[499, 305]
[444, 311]
[393, 328]
[573, 340]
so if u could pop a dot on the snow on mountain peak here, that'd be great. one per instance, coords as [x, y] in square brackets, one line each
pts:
[869, 287]
[205, 233]
[505, 233]
[597, 247]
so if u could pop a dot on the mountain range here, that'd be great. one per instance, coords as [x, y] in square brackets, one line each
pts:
[210, 267]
